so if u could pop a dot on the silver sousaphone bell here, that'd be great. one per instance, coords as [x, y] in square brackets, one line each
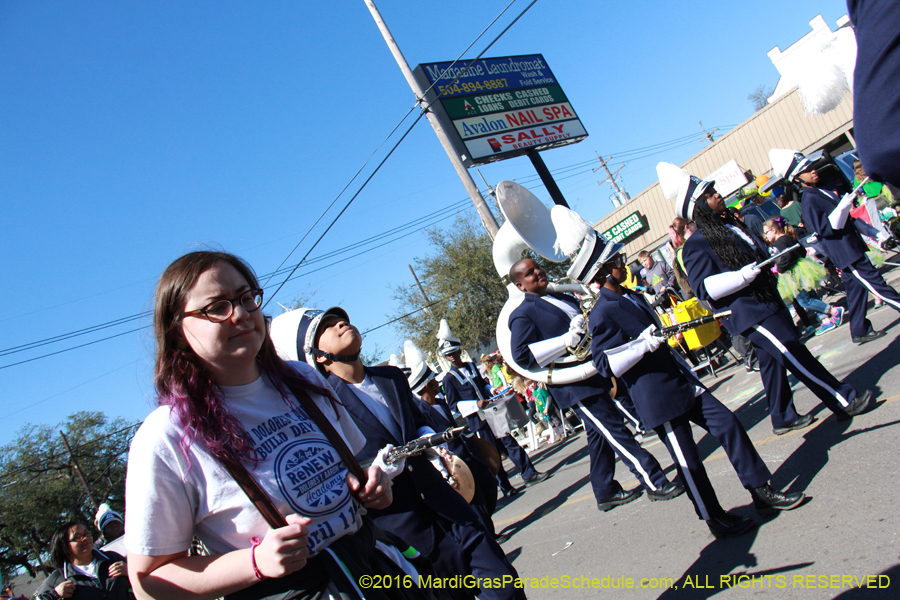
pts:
[528, 225]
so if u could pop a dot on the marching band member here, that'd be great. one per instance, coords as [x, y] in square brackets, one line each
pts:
[541, 329]
[426, 511]
[467, 391]
[668, 396]
[720, 259]
[437, 414]
[829, 217]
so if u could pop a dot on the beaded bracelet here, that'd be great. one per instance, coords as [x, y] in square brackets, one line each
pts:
[254, 542]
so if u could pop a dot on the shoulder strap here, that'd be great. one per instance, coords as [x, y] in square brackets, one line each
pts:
[258, 496]
[311, 409]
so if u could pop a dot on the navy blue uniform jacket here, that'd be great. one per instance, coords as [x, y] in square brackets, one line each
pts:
[661, 387]
[535, 320]
[701, 262]
[843, 246]
[419, 491]
[456, 391]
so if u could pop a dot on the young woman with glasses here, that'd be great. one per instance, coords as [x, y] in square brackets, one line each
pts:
[224, 399]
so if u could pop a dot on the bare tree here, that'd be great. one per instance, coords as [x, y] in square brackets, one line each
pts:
[760, 96]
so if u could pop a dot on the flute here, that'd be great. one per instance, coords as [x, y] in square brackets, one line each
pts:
[667, 332]
[420, 445]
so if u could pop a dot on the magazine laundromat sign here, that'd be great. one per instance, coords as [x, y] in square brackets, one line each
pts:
[498, 108]
[625, 228]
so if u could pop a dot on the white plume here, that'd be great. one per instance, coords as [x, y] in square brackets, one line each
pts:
[444, 332]
[821, 79]
[413, 354]
[570, 228]
[395, 361]
[670, 177]
[780, 159]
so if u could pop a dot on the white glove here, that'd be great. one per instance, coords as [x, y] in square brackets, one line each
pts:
[393, 469]
[622, 358]
[577, 324]
[724, 284]
[847, 200]
[651, 341]
[838, 217]
[571, 338]
[750, 272]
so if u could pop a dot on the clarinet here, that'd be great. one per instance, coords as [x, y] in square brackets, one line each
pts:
[667, 332]
[420, 445]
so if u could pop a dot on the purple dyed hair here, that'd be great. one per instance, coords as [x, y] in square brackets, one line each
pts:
[184, 384]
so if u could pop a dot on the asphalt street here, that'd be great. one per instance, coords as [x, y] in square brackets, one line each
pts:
[844, 537]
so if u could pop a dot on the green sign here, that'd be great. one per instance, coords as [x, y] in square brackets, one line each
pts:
[624, 228]
[489, 102]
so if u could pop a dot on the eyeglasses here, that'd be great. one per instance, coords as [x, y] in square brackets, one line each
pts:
[80, 537]
[618, 261]
[221, 310]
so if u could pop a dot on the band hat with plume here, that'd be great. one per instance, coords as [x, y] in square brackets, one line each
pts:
[448, 342]
[680, 186]
[294, 333]
[788, 164]
[576, 238]
[106, 515]
[395, 361]
[418, 372]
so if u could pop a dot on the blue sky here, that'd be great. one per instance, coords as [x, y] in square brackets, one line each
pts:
[134, 132]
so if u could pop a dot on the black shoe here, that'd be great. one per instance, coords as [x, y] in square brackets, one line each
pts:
[730, 525]
[501, 538]
[766, 499]
[671, 489]
[511, 492]
[860, 404]
[537, 478]
[622, 497]
[872, 335]
[802, 422]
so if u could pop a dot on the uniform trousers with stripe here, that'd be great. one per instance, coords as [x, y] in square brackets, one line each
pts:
[514, 451]
[860, 279]
[779, 351]
[714, 417]
[607, 437]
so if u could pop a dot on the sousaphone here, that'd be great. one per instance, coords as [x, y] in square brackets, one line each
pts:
[528, 225]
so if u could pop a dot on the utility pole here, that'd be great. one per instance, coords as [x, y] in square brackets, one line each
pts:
[709, 134]
[620, 194]
[487, 217]
[421, 289]
[84, 482]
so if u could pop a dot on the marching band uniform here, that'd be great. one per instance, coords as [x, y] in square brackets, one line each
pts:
[538, 319]
[426, 512]
[669, 397]
[420, 375]
[466, 385]
[828, 216]
[763, 323]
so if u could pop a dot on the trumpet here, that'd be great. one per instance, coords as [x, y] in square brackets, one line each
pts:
[583, 350]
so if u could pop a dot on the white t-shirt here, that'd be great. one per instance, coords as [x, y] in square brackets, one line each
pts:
[168, 502]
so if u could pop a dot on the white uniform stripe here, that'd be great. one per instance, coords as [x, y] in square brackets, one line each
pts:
[871, 289]
[622, 451]
[679, 456]
[780, 347]
[627, 413]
